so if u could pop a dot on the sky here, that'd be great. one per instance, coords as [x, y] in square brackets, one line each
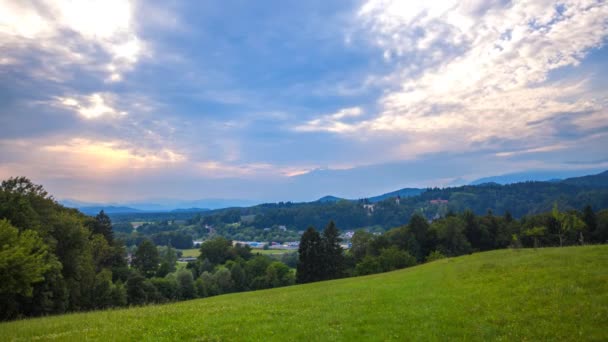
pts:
[124, 100]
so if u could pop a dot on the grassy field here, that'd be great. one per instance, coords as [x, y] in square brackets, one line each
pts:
[273, 251]
[194, 252]
[510, 295]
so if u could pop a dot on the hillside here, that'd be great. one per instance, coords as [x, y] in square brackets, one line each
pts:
[545, 294]
[599, 181]
[520, 199]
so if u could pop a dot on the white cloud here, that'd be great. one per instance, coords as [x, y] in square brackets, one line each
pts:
[218, 169]
[470, 72]
[93, 106]
[106, 24]
[332, 122]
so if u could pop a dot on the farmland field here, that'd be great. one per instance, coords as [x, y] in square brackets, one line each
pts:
[193, 252]
[544, 294]
[273, 251]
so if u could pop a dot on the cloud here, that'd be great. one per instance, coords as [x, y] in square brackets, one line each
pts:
[217, 169]
[471, 72]
[332, 122]
[111, 155]
[93, 106]
[74, 33]
[83, 158]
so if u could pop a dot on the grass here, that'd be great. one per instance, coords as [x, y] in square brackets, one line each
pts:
[273, 251]
[538, 295]
[194, 252]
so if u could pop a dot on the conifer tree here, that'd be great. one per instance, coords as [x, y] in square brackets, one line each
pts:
[310, 251]
[103, 225]
[332, 264]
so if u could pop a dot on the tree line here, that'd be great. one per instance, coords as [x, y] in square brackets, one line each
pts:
[321, 256]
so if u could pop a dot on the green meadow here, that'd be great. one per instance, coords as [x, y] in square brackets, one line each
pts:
[273, 251]
[510, 295]
[193, 252]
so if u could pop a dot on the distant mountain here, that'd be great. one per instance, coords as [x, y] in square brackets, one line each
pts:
[538, 175]
[329, 199]
[94, 210]
[157, 205]
[597, 181]
[189, 210]
[404, 193]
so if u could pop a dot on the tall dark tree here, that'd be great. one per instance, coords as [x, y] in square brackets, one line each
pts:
[420, 229]
[103, 225]
[146, 258]
[311, 257]
[590, 220]
[332, 265]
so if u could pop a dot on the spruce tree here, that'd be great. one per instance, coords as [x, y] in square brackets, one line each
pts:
[310, 251]
[103, 225]
[332, 264]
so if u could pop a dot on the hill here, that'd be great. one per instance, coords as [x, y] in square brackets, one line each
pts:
[534, 176]
[329, 199]
[545, 294]
[94, 210]
[519, 199]
[406, 192]
[598, 181]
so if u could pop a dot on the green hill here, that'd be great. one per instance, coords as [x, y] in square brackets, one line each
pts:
[545, 294]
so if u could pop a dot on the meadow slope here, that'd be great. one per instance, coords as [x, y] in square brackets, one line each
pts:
[544, 294]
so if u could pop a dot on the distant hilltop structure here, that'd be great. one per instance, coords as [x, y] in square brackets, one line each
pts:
[438, 201]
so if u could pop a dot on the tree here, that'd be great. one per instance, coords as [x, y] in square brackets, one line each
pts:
[393, 259]
[167, 265]
[185, 284]
[136, 294]
[369, 265]
[278, 274]
[239, 277]
[223, 280]
[535, 233]
[590, 220]
[360, 242]
[601, 233]
[567, 222]
[311, 257]
[103, 225]
[451, 238]
[146, 258]
[102, 292]
[332, 265]
[216, 250]
[24, 259]
[419, 228]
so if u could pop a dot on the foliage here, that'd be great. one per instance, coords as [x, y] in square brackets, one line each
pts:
[24, 259]
[146, 259]
[311, 257]
[434, 256]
